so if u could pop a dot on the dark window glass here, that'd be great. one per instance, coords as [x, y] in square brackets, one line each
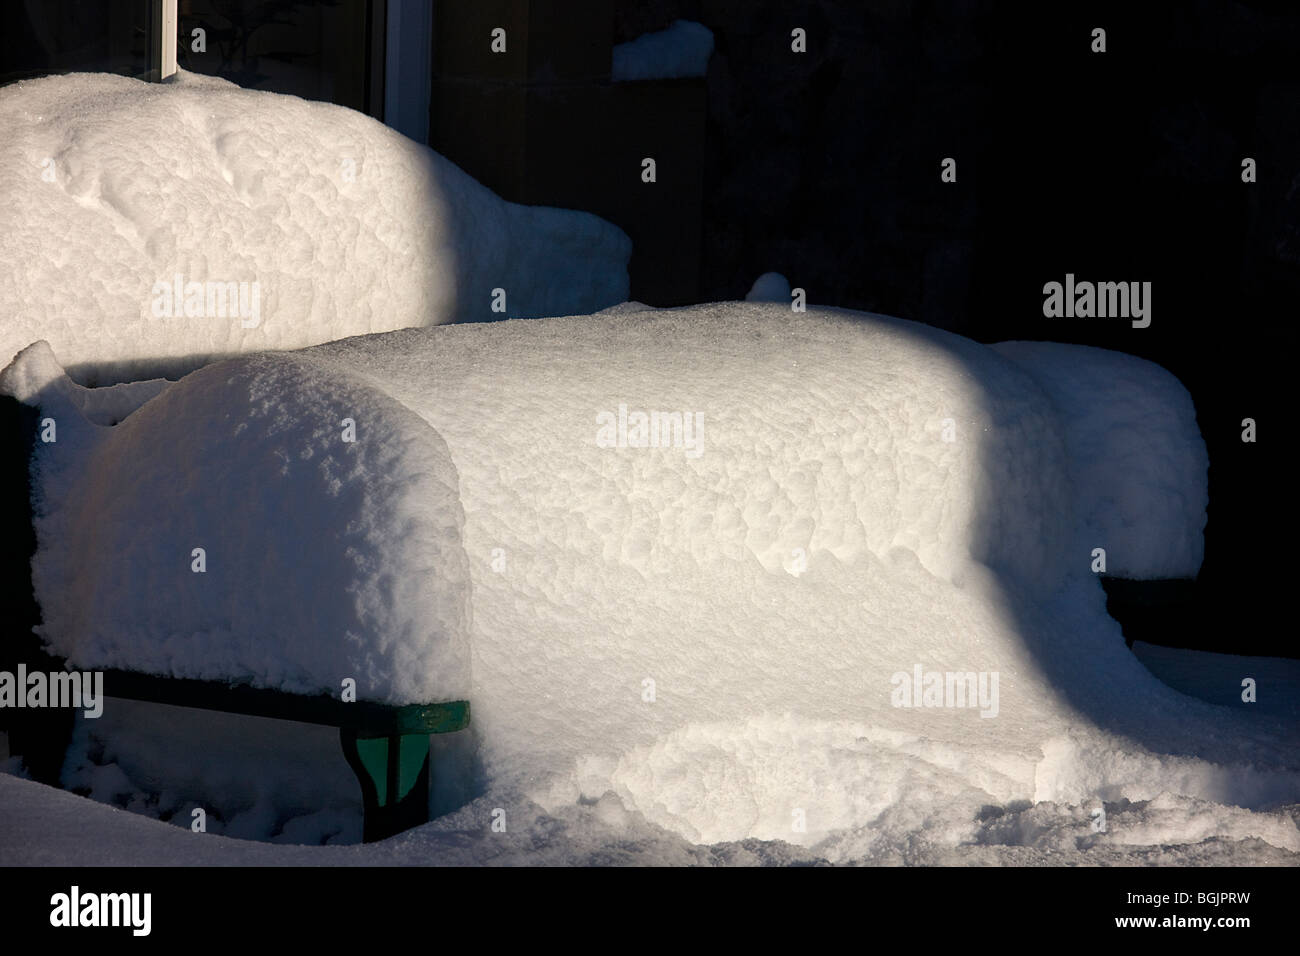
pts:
[316, 50]
[67, 36]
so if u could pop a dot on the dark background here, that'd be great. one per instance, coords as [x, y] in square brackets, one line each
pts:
[1121, 165]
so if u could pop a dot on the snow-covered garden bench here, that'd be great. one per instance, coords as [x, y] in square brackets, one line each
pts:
[640, 602]
[387, 746]
[285, 649]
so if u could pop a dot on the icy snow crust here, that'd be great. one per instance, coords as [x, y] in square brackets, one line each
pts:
[347, 226]
[688, 643]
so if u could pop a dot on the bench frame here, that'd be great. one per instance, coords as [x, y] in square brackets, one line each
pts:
[386, 746]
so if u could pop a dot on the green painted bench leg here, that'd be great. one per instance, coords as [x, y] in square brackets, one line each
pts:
[394, 776]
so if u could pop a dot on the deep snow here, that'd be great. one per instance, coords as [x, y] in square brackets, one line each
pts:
[111, 188]
[1132, 441]
[703, 637]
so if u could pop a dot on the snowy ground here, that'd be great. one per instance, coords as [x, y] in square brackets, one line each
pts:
[1217, 678]
[43, 826]
[681, 646]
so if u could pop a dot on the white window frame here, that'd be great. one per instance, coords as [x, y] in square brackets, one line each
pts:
[162, 55]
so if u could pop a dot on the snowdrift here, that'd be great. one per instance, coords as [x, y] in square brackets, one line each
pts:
[148, 228]
[732, 573]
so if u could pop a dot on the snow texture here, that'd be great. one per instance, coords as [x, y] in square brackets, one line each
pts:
[1138, 464]
[323, 558]
[110, 188]
[682, 49]
[689, 637]
[42, 826]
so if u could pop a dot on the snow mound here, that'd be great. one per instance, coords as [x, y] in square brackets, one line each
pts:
[857, 497]
[322, 558]
[769, 287]
[808, 577]
[682, 49]
[36, 377]
[1137, 460]
[324, 221]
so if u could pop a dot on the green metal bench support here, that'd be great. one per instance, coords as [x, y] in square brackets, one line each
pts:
[386, 746]
[394, 776]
